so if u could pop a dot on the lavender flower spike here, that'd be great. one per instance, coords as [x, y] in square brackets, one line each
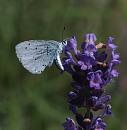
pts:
[91, 68]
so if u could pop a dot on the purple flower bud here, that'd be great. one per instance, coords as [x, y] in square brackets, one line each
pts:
[72, 45]
[100, 125]
[72, 95]
[108, 110]
[90, 38]
[88, 46]
[70, 125]
[73, 108]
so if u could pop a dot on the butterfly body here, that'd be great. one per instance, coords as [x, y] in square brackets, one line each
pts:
[36, 55]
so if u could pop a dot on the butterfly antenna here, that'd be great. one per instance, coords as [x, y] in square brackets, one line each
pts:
[63, 32]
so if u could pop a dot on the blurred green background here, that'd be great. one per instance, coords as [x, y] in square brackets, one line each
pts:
[38, 102]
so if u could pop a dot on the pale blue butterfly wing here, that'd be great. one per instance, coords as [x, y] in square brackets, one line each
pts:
[35, 55]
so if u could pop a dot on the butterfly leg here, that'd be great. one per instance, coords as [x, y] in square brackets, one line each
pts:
[58, 62]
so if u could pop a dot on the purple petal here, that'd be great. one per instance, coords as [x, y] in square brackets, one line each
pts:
[83, 66]
[95, 85]
[114, 73]
[110, 44]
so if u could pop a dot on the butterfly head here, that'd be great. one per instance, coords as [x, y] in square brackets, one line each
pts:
[64, 42]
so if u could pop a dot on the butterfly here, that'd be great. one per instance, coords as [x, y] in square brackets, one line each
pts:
[36, 55]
